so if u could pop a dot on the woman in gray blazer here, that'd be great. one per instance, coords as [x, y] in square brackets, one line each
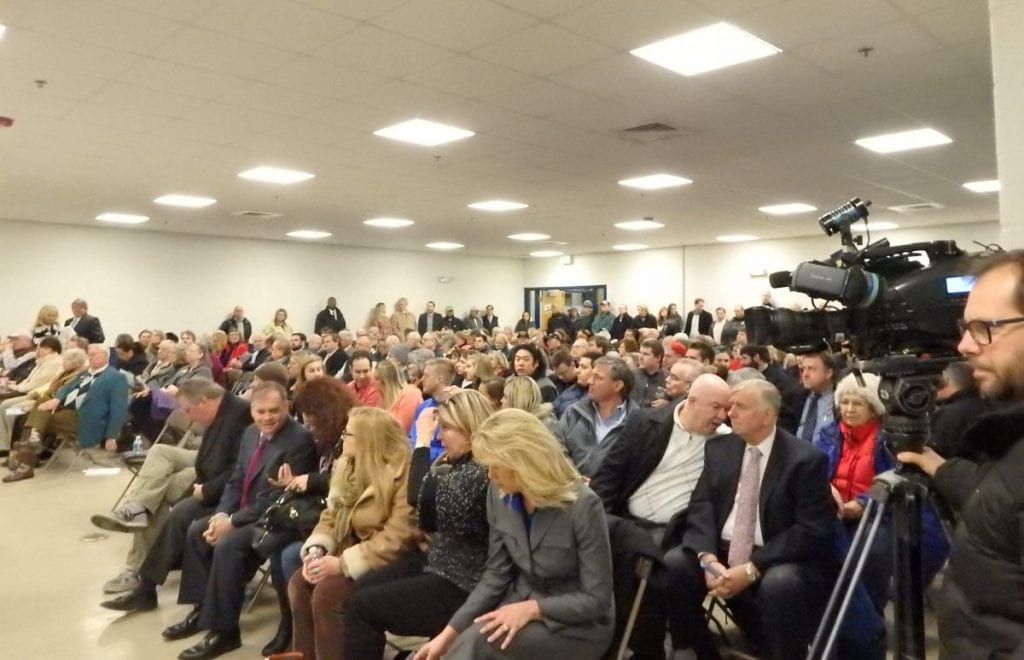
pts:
[546, 591]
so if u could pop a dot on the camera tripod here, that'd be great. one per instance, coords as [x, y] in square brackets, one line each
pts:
[906, 492]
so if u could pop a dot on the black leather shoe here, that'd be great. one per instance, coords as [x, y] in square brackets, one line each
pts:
[185, 628]
[213, 645]
[282, 640]
[135, 600]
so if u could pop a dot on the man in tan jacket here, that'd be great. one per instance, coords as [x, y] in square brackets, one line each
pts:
[402, 321]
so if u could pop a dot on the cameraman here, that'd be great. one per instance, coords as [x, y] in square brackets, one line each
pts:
[981, 609]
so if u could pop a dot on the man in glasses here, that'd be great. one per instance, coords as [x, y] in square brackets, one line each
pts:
[981, 611]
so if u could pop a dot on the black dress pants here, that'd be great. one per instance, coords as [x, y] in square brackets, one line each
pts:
[214, 576]
[402, 599]
[169, 546]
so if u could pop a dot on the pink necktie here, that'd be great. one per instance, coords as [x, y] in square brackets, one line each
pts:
[252, 469]
[746, 511]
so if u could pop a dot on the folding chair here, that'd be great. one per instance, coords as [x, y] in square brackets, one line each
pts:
[264, 572]
[65, 442]
[177, 431]
[644, 566]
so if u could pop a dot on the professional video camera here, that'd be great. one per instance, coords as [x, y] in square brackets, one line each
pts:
[898, 315]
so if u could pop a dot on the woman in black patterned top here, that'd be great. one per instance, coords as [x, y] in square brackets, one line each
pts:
[451, 498]
[46, 324]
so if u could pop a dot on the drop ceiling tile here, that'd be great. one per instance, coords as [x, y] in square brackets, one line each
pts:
[271, 98]
[400, 100]
[179, 10]
[179, 79]
[543, 50]
[127, 121]
[923, 6]
[250, 120]
[349, 116]
[304, 130]
[381, 52]
[323, 78]
[29, 103]
[958, 24]
[359, 10]
[459, 25]
[19, 77]
[468, 77]
[131, 98]
[539, 99]
[620, 25]
[795, 23]
[222, 53]
[46, 52]
[734, 7]
[890, 43]
[544, 8]
[100, 24]
[200, 133]
[278, 23]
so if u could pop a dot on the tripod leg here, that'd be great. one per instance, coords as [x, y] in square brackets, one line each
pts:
[909, 587]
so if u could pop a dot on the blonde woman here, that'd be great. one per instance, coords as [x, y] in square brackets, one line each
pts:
[523, 393]
[304, 367]
[546, 591]
[478, 369]
[46, 324]
[280, 325]
[378, 318]
[367, 524]
[499, 363]
[397, 396]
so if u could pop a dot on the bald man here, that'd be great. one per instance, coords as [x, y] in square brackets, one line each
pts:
[650, 476]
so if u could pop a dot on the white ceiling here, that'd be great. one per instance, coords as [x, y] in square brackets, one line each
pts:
[148, 97]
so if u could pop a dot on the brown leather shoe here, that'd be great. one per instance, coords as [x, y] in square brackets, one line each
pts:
[20, 474]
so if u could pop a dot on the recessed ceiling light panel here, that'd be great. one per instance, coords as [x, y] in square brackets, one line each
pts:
[655, 181]
[187, 201]
[424, 132]
[904, 141]
[498, 205]
[529, 236]
[444, 245]
[309, 234]
[736, 238]
[3, 29]
[268, 174]
[546, 253]
[991, 185]
[388, 223]
[706, 49]
[122, 218]
[639, 225]
[627, 247]
[787, 209]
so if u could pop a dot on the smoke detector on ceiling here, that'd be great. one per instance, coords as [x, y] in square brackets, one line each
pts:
[257, 215]
[916, 208]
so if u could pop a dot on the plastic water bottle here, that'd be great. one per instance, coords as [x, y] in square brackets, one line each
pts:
[137, 445]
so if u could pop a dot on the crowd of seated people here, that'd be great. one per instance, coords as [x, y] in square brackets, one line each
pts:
[464, 463]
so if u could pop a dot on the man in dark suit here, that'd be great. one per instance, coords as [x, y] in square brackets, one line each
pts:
[760, 530]
[85, 326]
[490, 320]
[621, 323]
[329, 317]
[649, 477]
[219, 560]
[429, 321]
[190, 482]
[334, 357]
[450, 321]
[698, 320]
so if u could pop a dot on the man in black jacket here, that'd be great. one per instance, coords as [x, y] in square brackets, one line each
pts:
[190, 482]
[237, 321]
[981, 606]
[960, 405]
[698, 320]
[85, 326]
[760, 531]
[621, 323]
[429, 321]
[489, 319]
[329, 317]
[793, 394]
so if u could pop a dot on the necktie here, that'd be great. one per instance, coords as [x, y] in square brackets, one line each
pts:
[746, 511]
[811, 418]
[76, 397]
[252, 469]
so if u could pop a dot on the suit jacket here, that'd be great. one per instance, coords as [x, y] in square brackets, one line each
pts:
[471, 323]
[490, 322]
[292, 444]
[247, 362]
[105, 408]
[798, 514]
[793, 396]
[219, 449]
[453, 322]
[564, 562]
[621, 323]
[335, 362]
[325, 320]
[421, 326]
[88, 327]
[704, 323]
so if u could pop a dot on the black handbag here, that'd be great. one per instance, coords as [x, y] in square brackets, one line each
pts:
[290, 518]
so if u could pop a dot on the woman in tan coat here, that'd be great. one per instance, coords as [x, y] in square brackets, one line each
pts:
[368, 523]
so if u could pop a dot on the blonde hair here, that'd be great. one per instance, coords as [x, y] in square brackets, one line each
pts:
[302, 360]
[382, 453]
[218, 340]
[44, 311]
[519, 442]
[465, 411]
[501, 359]
[523, 393]
[391, 383]
[481, 366]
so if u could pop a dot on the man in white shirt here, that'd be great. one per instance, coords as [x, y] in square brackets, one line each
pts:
[719, 325]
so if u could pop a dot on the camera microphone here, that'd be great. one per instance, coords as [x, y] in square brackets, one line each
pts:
[839, 219]
[781, 279]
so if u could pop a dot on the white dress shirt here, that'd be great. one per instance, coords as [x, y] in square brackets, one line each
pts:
[716, 331]
[765, 447]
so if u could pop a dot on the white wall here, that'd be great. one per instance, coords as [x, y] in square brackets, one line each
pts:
[136, 279]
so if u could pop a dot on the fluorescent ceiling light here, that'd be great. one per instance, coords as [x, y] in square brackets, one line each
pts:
[706, 49]
[904, 141]
[529, 236]
[546, 253]
[423, 132]
[122, 218]
[736, 238]
[786, 209]
[310, 234]
[388, 223]
[639, 225]
[878, 225]
[626, 247]
[3, 29]
[655, 181]
[188, 201]
[991, 185]
[444, 245]
[498, 205]
[268, 174]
